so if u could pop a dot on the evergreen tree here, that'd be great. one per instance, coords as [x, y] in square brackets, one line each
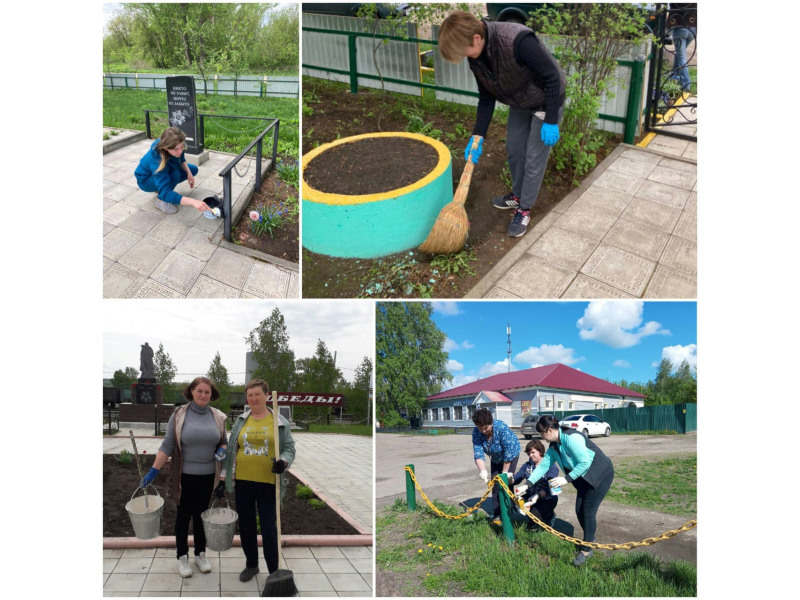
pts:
[218, 374]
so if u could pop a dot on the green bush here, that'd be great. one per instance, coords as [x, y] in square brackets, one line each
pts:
[304, 492]
[316, 504]
[124, 458]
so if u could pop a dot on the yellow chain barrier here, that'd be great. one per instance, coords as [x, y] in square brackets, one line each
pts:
[626, 546]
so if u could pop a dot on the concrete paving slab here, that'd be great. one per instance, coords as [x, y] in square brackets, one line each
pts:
[133, 565]
[153, 290]
[638, 239]
[533, 277]
[641, 155]
[691, 152]
[205, 287]
[564, 248]
[267, 281]
[229, 582]
[201, 582]
[587, 288]
[622, 270]
[229, 267]
[668, 283]
[343, 582]
[121, 282]
[118, 242]
[691, 203]
[680, 165]
[169, 232]
[364, 566]
[178, 271]
[604, 200]
[498, 292]
[114, 175]
[304, 565]
[326, 552]
[335, 565]
[680, 255]
[124, 582]
[140, 222]
[586, 222]
[675, 177]
[313, 582]
[687, 227]
[119, 192]
[144, 256]
[162, 582]
[620, 182]
[109, 564]
[663, 194]
[652, 214]
[639, 169]
[297, 552]
[197, 243]
[107, 228]
[117, 213]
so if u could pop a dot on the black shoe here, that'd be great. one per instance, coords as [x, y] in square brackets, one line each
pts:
[248, 573]
[519, 224]
[581, 558]
[506, 202]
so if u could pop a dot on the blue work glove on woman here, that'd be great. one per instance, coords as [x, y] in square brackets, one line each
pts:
[476, 154]
[550, 134]
[219, 455]
[148, 479]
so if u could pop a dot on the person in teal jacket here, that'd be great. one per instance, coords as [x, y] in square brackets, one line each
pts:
[163, 168]
[585, 467]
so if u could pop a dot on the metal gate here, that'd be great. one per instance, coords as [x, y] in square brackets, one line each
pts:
[672, 101]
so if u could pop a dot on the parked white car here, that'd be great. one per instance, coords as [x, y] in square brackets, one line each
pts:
[589, 425]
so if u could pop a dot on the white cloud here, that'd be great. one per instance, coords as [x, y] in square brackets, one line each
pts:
[488, 369]
[547, 354]
[677, 354]
[462, 380]
[621, 363]
[454, 365]
[617, 323]
[450, 345]
[467, 345]
[448, 309]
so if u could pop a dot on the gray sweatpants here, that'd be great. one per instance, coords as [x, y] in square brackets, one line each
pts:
[527, 154]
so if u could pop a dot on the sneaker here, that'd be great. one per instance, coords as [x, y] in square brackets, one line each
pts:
[184, 568]
[166, 207]
[581, 558]
[497, 521]
[202, 563]
[519, 224]
[506, 202]
[248, 573]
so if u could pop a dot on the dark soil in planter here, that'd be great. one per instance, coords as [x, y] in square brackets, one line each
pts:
[120, 482]
[336, 113]
[371, 166]
[285, 240]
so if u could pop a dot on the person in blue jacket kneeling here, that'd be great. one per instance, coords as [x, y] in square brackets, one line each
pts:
[537, 493]
[163, 168]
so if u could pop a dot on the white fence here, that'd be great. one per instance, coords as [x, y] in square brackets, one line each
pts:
[244, 85]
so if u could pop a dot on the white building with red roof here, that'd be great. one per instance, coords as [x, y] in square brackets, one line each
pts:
[513, 396]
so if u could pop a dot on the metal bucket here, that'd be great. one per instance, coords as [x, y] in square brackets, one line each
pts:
[146, 514]
[219, 524]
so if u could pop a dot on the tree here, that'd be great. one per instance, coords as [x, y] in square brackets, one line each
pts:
[218, 374]
[410, 361]
[164, 368]
[358, 395]
[318, 374]
[124, 379]
[269, 343]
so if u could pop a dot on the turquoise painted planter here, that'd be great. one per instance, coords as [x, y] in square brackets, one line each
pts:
[372, 225]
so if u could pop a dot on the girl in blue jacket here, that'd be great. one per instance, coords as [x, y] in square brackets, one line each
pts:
[585, 467]
[538, 493]
[164, 167]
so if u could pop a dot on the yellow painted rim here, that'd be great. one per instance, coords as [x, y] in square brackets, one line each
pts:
[314, 195]
[645, 141]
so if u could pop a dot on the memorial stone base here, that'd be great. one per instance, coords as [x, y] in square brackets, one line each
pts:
[144, 413]
[197, 159]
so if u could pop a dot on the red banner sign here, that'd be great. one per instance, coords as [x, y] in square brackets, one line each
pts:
[298, 398]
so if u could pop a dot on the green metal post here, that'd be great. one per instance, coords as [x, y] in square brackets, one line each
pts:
[634, 110]
[351, 45]
[505, 511]
[411, 493]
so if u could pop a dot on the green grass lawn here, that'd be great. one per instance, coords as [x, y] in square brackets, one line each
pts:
[667, 486]
[124, 109]
[441, 557]
[349, 429]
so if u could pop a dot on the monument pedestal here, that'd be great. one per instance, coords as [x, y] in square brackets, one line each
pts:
[197, 159]
[146, 391]
[143, 413]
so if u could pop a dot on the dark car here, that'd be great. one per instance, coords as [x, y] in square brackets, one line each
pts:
[528, 428]
[519, 13]
[348, 9]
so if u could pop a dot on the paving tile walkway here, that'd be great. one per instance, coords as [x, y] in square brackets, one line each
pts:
[337, 467]
[149, 254]
[629, 231]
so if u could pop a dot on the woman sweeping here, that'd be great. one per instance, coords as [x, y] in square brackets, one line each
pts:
[197, 442]
[250, 465]
[586, 468]
[163, 168]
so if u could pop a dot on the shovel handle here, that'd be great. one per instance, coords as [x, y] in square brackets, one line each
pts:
[138, 464]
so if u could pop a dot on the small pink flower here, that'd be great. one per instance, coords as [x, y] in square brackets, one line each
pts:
[254, 215]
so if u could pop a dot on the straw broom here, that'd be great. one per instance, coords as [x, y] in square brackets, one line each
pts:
[281, 582]
[449, 233]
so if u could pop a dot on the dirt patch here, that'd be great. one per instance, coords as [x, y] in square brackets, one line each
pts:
[331, 112]
[274, 196]
[370, 166]
[119, 483]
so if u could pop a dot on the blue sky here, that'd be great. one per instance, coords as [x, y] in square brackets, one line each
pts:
[613, 340]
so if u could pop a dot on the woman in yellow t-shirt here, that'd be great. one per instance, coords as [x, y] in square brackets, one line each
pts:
[255, 469]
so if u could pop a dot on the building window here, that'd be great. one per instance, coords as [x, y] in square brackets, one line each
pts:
[446, 413]
[470, 411]
[560, 405]
[605, 404]
[546, 403]
[571, 405]
[597, 406]
[434, 414]
[459, 413]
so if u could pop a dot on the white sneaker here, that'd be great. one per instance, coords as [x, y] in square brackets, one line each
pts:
[166, 207]
[202, 563]
[184, 568]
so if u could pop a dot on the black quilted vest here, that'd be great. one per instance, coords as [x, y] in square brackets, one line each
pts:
[601, 466]
[506, 79]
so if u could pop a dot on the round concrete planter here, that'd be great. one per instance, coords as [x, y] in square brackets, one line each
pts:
[371, 225]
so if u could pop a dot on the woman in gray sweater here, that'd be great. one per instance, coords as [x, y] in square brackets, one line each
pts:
[196, 442]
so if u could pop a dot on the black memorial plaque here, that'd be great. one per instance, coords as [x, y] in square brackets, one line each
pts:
[144, 393]
[182, 110]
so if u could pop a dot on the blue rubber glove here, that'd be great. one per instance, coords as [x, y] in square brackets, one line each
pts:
[476, 154]
[219, 455]
[550, 134]
[148, 479]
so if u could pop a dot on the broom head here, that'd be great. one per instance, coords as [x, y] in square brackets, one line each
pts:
[280, 584]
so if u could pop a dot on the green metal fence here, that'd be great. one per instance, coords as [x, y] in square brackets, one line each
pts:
[675, 417]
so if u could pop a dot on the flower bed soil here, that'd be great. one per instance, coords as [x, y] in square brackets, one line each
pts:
[119, 483]
[285, 240]
[335, 113]
[371, 166]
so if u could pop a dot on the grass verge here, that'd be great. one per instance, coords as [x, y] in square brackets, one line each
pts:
[668, 485]
[348, 429]
[469, 557]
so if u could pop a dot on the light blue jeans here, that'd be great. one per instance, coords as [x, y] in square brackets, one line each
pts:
[682, 37]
